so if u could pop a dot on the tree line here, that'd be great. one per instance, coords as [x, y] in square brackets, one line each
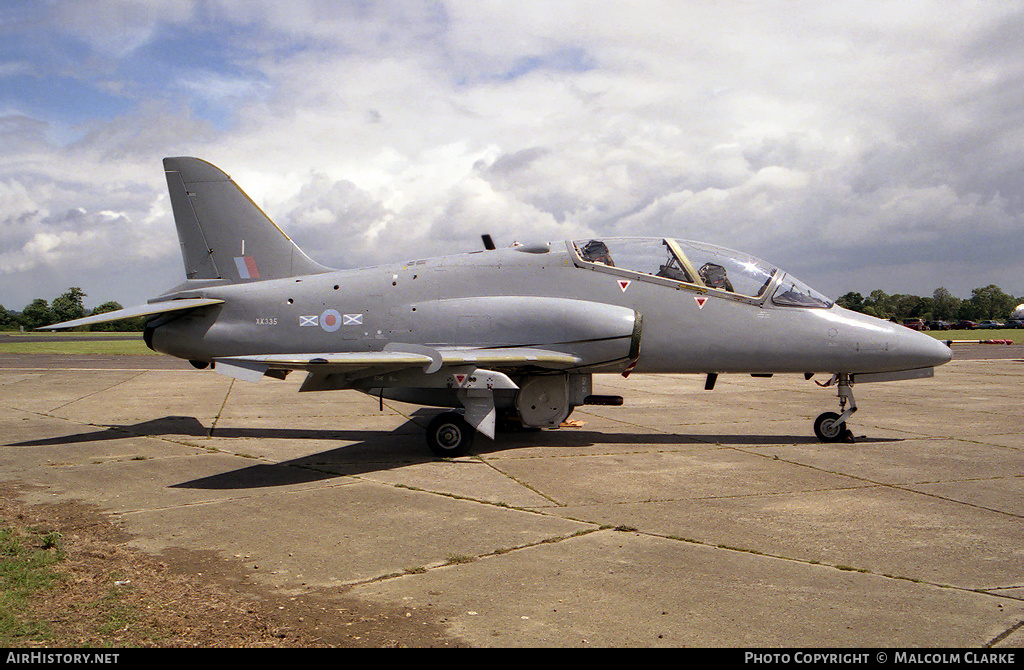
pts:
[65, 307]
[987, 302]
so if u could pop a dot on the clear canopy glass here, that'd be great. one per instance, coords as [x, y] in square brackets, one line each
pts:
[700, 264]
[794, 293]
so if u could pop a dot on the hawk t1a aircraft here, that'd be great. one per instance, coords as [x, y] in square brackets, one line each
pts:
[499, 335]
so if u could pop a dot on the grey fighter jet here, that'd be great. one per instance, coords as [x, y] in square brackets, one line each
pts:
[510, 335]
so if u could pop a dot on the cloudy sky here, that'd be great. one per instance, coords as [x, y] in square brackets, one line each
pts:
[859, 145]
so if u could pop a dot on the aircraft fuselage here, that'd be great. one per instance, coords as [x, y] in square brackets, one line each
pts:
[513, 298]
[514, 334]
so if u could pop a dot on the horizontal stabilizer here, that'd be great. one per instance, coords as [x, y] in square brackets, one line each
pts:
[152, 309]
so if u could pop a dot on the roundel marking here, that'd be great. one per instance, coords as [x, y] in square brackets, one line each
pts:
[330, 320]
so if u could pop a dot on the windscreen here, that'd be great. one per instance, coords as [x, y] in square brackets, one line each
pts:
[794, 293]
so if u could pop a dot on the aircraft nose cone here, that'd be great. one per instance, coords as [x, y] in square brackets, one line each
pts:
[922, 351]
[873, 345]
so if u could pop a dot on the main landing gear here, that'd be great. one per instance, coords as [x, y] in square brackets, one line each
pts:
[449, 435]
[831, 427]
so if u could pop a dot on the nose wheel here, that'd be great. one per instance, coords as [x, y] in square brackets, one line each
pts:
[831, 427]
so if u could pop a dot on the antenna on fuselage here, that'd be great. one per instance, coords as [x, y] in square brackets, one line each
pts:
[488, 242]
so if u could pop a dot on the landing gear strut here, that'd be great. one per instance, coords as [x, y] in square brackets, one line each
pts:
[831, 427]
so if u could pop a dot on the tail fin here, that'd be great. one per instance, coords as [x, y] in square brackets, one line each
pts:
[223, 233]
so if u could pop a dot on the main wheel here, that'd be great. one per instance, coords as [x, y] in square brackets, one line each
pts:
[449, 435]
[828, 428]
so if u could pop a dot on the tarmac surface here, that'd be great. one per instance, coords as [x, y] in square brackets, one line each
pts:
[684, 518]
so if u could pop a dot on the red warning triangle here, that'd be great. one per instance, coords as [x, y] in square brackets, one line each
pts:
[624, 284]
[701, 299]
[459, 379]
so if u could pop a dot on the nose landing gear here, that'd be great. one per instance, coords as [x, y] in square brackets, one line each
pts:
[831, 427]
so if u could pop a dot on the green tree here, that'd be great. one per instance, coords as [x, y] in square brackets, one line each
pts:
[967, 311]
[8, 320]
[852, 301]
[878, 304]
[944, 304]
[37, 314]
[990, 302]
[906, 306]
[110, 306]
[987, 302]
[68, 305]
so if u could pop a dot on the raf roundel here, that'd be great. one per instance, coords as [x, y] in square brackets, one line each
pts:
[330, 320]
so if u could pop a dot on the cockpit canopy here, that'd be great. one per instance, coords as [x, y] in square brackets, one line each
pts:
[701, 265]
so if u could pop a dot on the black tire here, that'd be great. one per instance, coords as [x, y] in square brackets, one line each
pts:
[827, 429]
[449, 435]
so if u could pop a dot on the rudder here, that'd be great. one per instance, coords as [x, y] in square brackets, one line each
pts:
[223, 233]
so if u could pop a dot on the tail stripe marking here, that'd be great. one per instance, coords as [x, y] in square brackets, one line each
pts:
[246, 266]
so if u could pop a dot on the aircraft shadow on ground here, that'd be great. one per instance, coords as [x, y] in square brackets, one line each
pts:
[377, 451]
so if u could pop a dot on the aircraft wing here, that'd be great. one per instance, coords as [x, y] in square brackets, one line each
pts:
[473, 373]
[511, 357]
[152, 309]
[393, 358]
[252, 368]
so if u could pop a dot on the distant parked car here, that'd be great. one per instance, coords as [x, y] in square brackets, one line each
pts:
[1015, 323]
[937, 325]
[963, 324]
[915, 324]
[988, 324]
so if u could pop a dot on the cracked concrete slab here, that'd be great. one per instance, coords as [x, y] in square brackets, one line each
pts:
[684, 518]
